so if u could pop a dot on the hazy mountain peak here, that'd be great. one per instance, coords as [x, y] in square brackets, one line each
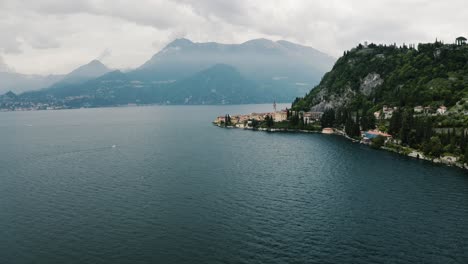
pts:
[257, 59]
[10, 94]
[91, 70]
[180, 42]
[261, 42]
[96, 62]
[288, 43]
[94, 68]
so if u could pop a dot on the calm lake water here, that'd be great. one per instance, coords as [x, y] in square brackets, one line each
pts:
[175, 189]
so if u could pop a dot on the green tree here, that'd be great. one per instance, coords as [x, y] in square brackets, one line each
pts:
[352, 128]
[227, 120]
[395, 123]
[378, 142]
[269, 121]
[466, 155]
[328, 118]
[294, 119]
[406, 126]
[435, 146]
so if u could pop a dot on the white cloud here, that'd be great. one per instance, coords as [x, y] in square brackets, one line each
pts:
[55, 36]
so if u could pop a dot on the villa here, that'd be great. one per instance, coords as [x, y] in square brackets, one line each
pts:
[388, 111]
[441, 110]
[309, 117]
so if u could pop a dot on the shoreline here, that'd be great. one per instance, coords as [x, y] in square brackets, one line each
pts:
[414, 154]
[7, 110]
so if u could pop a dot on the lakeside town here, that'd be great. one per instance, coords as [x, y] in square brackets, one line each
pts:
[377, 136]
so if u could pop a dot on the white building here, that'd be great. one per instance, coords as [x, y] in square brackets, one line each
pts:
[418, 109]
[309, 117]
[441, 110]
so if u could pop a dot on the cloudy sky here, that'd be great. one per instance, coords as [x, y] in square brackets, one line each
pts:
[56, 36]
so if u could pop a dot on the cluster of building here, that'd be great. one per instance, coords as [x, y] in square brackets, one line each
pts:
[27, 106]
[244, 120]
[387, 112]
[441, 110]
[278, 116]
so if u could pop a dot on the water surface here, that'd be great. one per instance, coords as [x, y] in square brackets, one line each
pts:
[162, 185]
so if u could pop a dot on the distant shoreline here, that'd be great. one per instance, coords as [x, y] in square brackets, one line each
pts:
[4, 110]
[414, 154]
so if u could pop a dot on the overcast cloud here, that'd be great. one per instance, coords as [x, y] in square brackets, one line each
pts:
[56, 36]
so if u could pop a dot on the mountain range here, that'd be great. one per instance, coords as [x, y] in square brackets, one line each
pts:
[185, 72]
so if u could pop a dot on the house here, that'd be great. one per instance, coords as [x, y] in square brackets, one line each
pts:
[388, 111]
[441, 110]
[241, 125]
[257, 116]
[243, 118]
[418, 109]
[428, 110]
[220, 119]
[327, 130]
[377, 114]
[309, 117]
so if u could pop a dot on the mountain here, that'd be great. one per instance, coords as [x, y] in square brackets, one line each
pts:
[279, 64]
[432, 74]
[219, 84]
[185, 72]
[83, 73]
[18, 83]
[9, 96]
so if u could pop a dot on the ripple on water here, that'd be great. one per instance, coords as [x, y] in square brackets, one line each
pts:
[169, 194]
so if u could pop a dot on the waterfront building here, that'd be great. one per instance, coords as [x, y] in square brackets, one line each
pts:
[280, 116]
[310, 117]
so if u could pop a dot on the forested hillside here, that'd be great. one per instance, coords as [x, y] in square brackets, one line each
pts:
[418, 94]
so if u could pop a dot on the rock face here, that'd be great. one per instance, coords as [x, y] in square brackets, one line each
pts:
[326, 99]
[434, 73]
[329, 101]
[369, 83]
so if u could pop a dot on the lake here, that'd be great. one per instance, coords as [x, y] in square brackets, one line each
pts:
[161, 184]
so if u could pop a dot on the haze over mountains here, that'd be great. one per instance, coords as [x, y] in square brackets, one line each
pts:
[185, 72]
[83, 73]
[19, 83]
